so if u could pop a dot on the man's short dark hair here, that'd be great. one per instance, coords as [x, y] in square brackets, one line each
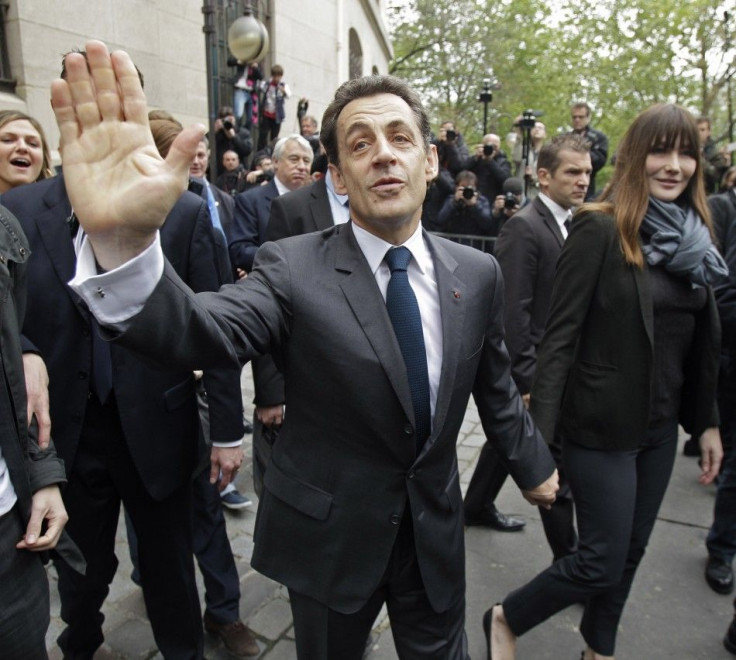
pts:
[370, 86]
[549, 155]
[83, 53]
[703, 120]
[466, 177]
[583, 105]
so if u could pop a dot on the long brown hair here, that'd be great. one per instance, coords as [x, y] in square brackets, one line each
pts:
[626, 196]
[6, 116]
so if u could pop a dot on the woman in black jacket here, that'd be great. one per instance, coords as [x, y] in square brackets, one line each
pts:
[630, 350]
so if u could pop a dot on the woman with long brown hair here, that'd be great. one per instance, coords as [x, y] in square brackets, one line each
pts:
[24, 152]
[630, 350]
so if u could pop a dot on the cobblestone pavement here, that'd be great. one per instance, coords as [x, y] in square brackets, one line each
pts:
[671, 612]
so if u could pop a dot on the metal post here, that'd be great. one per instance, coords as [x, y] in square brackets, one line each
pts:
[485, 97]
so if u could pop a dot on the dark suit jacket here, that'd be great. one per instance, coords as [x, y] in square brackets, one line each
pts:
[252, 210]
[300, 212]
[527, 249]
[158, 409]
[225, 208]
[594, 366]
[344, 471]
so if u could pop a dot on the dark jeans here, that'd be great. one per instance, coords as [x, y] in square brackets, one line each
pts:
[617, 496]
[419, 632]
[24, 595]
[268, 131]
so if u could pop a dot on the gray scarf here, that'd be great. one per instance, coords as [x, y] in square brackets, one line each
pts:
[678, 240]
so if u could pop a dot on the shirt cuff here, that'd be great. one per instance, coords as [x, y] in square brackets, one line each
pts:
[227, 445]
[116, 296]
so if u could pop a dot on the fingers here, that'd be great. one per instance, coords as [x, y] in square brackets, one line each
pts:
[214, 471]
[184, 148]
[61, 103]
[33, 529]
[44, 425]
[135, 107]
[103, 75]
[81, 87]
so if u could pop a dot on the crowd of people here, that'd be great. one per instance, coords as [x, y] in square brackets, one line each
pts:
[134, 296]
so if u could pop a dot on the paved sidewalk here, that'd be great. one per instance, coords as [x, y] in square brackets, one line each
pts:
[671, 612]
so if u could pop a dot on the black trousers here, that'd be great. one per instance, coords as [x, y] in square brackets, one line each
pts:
[558, 521]
[617, 495]
[24, 595]
[102, 476]
[419, 632]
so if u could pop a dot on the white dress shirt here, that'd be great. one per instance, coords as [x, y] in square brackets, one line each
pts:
[338, 203]
[560, 215]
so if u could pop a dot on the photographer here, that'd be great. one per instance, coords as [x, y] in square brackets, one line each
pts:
[491, 166]
[233, 177]
[261, 173]
[526, 168]
[451, 149]
[505, 205]
[467, 211]
[229, 136]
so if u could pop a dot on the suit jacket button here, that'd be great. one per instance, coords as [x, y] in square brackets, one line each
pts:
[82, 375]
[411, 474]
[408, 429]
[395, 518]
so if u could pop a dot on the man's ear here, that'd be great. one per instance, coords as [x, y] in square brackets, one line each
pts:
[543, 175]
[432, 167]
[337, 181]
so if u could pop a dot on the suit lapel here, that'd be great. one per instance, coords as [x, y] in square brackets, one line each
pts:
[319, 206]
[450, 290]
[53, 231]
[549, 220]
[364, 298]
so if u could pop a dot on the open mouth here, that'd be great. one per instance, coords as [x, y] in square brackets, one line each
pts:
[20, 162]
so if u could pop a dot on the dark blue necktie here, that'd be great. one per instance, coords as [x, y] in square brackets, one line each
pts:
[407, 321]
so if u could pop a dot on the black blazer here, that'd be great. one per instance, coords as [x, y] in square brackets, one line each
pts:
[527, 249]
[344, 471]
[252, 210]
[300, 212]
[158, 409]
[723, 210]
[594, 366]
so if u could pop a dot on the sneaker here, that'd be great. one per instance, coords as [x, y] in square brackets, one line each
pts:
[237, 637]
[234, 500]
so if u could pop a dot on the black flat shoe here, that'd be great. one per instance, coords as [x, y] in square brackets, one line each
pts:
[495, 520]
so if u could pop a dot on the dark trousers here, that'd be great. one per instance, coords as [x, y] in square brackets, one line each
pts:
[617, 495]
[24, 595]
[488, 479]
[102, 476]
[212, 550]
[721, 541]
[267, 131]
[419, 632]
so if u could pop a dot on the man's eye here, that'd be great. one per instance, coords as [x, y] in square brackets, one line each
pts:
[361, 144]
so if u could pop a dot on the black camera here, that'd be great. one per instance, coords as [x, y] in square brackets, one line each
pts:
[528, 119]
[264, 176]
[227, 124]
[468, 192]
[509, 200]
[488, 149]
[450, 135]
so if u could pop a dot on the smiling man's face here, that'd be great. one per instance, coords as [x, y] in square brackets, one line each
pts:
[384, 165]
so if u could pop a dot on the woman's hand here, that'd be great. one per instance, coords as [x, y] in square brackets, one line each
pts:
[711, 454]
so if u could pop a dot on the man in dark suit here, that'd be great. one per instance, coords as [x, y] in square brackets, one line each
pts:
[527, 249]
[292, 158]
[125, 431]
[580, 118]
[30, 471]
[361, 503]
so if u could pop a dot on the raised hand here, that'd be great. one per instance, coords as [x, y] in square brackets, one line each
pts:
[120, 188]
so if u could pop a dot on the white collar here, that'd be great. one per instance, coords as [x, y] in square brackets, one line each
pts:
[374, 248]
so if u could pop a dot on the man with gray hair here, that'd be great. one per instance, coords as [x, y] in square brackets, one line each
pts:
[292, 159]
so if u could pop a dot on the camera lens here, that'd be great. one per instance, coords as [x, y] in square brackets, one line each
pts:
[487, 149]
[468, 192]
